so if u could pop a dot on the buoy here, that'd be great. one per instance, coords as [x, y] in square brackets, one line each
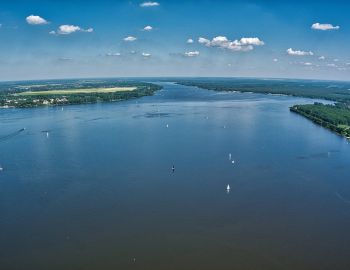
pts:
[233, 162]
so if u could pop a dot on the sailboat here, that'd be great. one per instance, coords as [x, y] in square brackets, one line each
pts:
[228, 188]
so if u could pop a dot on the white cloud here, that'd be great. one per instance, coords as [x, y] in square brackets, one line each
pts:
[244, 44]
[36, 20]
[322, 57]
[149, 4]
[192, 54]
[336, 60]
[204, 41]
[65, 59]
[324, 26]
[307, 64]
[146, 54]
[190, 41]
[331, 65]
[113, 54]
[251, 41]
[290, 51]
[148, 28]
[130, 39]
[70, 29]
[275, 60]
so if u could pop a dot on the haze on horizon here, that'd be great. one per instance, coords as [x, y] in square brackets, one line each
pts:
[70, 39]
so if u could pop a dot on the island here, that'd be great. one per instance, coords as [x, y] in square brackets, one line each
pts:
[335, 117]
[67, 92]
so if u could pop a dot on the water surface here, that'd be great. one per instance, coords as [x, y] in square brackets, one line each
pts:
[91, 186]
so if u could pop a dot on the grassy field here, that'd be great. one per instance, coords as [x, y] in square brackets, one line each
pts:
[77, 91]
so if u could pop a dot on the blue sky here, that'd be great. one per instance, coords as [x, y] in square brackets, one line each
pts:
[71, 39]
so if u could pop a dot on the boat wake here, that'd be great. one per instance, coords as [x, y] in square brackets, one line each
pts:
[11, 135]
[342, 198]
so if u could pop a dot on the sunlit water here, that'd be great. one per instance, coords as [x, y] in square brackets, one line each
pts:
[92, 187]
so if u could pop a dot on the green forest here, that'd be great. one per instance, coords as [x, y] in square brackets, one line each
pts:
[334, 117]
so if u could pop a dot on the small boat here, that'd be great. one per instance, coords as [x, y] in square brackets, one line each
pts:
[167, 125]
[233, 162]
[173, 168]
[229, 156]
[1, 168]
[228, 188]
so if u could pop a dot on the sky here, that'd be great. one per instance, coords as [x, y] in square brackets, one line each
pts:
[110, 38]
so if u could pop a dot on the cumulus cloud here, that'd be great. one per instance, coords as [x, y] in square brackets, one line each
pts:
[192, 54]
[190, 41]
[322, 57]
[290, 51]
[146, 54]
[70, 29]
[244, 44]
[36, 20]
[148, 28]
[130, 39]
[324, 26]
[149, 4]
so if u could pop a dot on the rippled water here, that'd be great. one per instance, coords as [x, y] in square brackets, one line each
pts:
[91, 187]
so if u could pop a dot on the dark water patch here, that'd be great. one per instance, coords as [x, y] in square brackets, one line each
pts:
[320, 155]
[96, 119]
[156, 115]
